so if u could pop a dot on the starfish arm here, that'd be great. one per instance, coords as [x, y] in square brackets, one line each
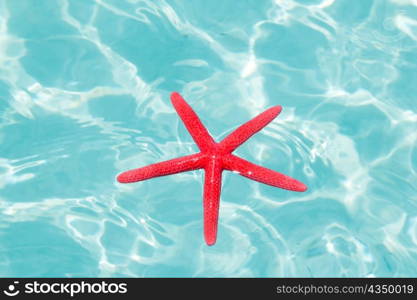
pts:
[261, 174]
[191, 121]
[245, 131]
[212, 188]
[176, 165]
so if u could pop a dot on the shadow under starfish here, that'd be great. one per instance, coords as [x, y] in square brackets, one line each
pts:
[214, 158]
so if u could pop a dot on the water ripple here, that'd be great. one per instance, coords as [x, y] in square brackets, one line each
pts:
[84, 94]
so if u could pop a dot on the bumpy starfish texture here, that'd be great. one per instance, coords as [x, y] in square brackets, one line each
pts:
[214, 158]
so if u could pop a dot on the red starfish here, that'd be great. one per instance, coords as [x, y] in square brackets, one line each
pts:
[214, 158]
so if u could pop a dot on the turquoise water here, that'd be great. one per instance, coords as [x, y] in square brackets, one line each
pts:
[84, 95]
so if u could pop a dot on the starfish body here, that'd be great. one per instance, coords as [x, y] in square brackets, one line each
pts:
[213, 158]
